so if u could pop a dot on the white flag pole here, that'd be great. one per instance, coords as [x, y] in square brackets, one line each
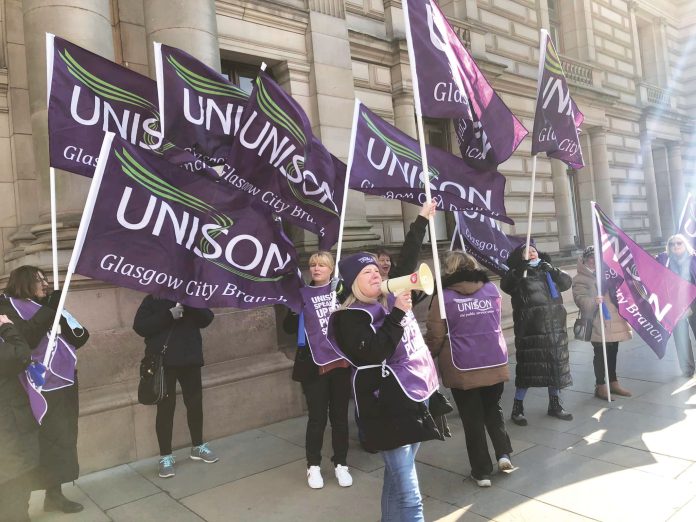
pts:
[79, 240]
[683, 212]
[351, 149]
[598, 276]
[159, 76]
[50, 39]
[424, 159]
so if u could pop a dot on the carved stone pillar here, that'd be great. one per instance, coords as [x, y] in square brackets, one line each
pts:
[332, 94]
[651, 188]
[600, 169]
[87, 24]
[564, 209]
[676, 178]
[190, 26]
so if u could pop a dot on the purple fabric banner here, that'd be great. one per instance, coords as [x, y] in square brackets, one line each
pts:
[485, 241]
[557, 119]
[201, 109]
[294, 175]
[386, 162]
[650, 296]
[175, 235]
[90, 95]
[687, 222]
[450, 85]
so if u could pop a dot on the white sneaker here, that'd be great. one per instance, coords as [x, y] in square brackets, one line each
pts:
[504, 464]
[314, 479]
[483, 482]
[343, 476]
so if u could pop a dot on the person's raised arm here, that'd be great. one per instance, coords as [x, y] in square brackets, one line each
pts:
[410, 250]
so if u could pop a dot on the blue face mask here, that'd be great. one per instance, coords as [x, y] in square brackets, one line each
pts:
[534, 262]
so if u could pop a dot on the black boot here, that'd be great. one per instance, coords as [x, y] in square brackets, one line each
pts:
[556, 409]
[56, 501]
[518, 413]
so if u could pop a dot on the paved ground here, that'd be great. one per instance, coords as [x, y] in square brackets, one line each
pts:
[632, 461]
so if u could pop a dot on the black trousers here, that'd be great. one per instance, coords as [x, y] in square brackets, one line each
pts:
[480, 411]
[598, 361]
[14, 499]
[327, 393]
[189, 378]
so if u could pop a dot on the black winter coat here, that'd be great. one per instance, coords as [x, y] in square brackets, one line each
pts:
[541, 335]
[155, 323]
[58, 431]
[392, 419]
[19, 432]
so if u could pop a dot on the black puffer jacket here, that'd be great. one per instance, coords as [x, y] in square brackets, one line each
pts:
[58, 432]
[155, 323]
[19, 432]
[541, 336]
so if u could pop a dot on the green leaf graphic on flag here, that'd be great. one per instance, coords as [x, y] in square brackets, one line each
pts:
[276, 114]
[552, 62]
[153, 183]
[399, 149]
[206, 85]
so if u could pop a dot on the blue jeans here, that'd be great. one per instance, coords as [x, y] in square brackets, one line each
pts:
[401, 498]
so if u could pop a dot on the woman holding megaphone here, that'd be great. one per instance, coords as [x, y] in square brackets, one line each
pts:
[394, 375]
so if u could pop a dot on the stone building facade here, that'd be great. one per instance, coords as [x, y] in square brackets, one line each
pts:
[629, 64]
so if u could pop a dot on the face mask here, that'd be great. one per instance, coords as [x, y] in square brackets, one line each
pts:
[534, 262]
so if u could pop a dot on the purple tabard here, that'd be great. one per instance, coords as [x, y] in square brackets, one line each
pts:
[411, 362]
[36, 400]
[60, 370]
[317, 307]
[475, 334]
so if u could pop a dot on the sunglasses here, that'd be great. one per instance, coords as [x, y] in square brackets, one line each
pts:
[675, 243]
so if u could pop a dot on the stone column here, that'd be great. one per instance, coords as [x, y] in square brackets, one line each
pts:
[564, 207]
[650, 188]
[87, 24]
[676, 178]
[332, 94]
[632, 8]
[600, 169]
[190, 26]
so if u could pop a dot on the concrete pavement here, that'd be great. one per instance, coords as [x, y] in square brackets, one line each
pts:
[633, 460]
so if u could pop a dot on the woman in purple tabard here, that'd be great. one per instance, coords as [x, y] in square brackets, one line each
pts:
[680, 258]
[394, 374]
[323, 373]
[18, 430]
[31, 308]
[474, 360]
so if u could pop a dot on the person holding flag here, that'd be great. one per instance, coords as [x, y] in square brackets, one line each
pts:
[473, 361]
[323, 373]
[616, 329]
[680, 258]
[541, 337]
[32, 309]
[394, 375]
[19, 432]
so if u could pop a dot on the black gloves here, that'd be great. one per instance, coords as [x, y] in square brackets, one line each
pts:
[53, 299]
[545, 267]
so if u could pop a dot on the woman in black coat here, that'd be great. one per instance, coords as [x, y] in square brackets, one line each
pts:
[19, 432]
[28, 286]
[541, 336]
[165, 323]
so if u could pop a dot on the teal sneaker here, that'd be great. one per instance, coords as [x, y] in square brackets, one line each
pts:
[204, 453]
[166, 466]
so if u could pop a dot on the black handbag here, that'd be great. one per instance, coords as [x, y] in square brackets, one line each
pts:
[582, 328]
[152, 387]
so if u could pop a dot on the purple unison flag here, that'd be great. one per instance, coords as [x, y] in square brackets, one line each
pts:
[650, 296]
[386, 162]
[484, 239]
[176, 235]
[557, 119]
[449, 84]
[687, 223]
[294, 174]
[201, 109]
[89, 95]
